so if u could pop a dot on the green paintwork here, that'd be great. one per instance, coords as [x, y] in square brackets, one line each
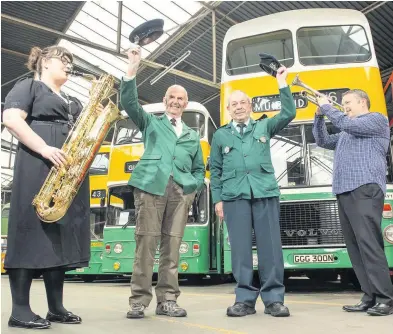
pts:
[96, 249]
[197, 263]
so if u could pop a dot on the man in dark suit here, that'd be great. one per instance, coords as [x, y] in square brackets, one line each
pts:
[245, 192]
[166, 179]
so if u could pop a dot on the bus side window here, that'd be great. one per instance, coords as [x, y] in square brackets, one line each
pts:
[389, 157]
[210, 131]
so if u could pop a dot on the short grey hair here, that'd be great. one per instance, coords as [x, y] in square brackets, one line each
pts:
[361, 94]
[178, 87]
[237, 91]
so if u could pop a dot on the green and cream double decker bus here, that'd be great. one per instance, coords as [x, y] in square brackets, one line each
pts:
[332, 51]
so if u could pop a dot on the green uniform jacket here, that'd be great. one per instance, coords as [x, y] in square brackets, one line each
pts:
[239, 164]
[165, 153]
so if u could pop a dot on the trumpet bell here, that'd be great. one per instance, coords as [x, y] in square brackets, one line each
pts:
[147, 32]
[296, 81]
[312, 94]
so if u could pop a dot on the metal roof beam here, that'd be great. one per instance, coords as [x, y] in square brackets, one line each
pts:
[71, 20]
[175, 37]
[210, 7]
[79, 62]
[372, 7]
[6, 145]
[81, 41]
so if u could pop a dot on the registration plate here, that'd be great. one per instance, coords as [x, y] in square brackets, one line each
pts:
[80, 270]
[130, 166]
[313, 258]
[98, 193]
[273, 102]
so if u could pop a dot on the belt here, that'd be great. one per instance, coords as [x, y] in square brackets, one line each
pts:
[66, 126]
[50, 121]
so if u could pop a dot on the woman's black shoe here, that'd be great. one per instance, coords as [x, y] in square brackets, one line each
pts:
[36, 323]
[68, 318]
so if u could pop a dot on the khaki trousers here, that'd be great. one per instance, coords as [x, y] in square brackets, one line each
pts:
[158, 219]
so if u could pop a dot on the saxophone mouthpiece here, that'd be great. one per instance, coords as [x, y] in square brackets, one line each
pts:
[82, 74]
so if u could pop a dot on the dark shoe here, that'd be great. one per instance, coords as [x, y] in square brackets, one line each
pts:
[171, 309]
[68, 318]
[277, 309]
[136, 311]
[240, 310]
[359, 307]
[381, 309]
[36, 323]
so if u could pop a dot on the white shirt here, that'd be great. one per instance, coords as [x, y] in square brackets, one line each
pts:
[179, 125]
[238, 127]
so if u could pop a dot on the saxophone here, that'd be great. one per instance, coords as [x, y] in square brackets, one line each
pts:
[80, 147]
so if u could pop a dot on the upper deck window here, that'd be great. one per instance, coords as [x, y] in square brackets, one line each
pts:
[243, 54]
[333, 45]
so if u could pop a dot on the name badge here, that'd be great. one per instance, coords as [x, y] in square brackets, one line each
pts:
[226, 150]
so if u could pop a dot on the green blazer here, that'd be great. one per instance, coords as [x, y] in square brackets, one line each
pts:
[239, 164]
[165, 153]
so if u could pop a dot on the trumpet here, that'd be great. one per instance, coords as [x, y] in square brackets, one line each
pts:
[313, 97]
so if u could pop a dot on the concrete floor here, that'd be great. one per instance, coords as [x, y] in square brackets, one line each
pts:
[103, 306]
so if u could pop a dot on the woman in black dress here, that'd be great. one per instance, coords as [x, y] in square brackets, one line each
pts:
[39, 115]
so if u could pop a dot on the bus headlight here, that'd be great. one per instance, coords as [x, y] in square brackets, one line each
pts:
[118, 248]
[183, 248]
[388, 234]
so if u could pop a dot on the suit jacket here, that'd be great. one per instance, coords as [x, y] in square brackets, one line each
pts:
[165, 153]
[239, 164]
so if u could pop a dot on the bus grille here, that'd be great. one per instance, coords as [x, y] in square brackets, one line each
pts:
[309, 224]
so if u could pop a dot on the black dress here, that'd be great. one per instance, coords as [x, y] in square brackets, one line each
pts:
[33, 244]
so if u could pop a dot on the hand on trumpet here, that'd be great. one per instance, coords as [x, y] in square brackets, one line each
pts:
[134, 58]
[322, 99]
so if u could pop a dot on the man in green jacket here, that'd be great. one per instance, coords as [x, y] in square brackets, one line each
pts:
[165, 182]
[245, 193]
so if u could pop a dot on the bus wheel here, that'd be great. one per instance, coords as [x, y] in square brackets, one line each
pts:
[88, 278]
[195, 278]
[322, 276]
[349, 277]
[37, 275]
[224, 278]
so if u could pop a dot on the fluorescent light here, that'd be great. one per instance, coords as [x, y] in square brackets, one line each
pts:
[173, 65]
